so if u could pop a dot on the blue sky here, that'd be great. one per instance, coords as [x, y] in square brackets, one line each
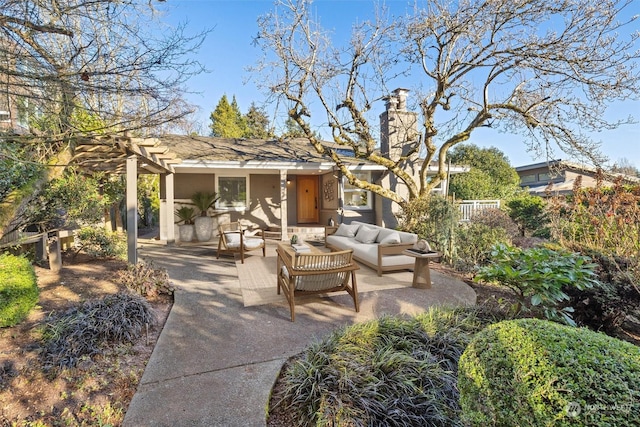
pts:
[228, 51]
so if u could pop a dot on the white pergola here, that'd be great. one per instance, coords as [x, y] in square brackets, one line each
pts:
[124, 155]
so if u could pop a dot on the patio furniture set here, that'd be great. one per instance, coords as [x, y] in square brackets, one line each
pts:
[312, 271]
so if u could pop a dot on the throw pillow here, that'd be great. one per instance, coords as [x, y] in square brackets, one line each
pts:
[391, 238]
[347, 230]
[367, 235]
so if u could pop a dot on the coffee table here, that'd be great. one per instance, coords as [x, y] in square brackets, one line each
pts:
[421, 274]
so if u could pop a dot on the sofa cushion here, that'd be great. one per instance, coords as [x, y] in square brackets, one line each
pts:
[252, 242]
[347, 230]
[367, 252]
[390, 238]
[232, 238]
[367, 234]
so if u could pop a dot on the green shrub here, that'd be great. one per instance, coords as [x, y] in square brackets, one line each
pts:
[433, 218]
[18, 166]
[144, 279]
[18, 289]
[529, 213]
[98, 242]
[70, 199]
[390, 371]
[540, 275]
[531, 372]
[87, 329]
[474, 242]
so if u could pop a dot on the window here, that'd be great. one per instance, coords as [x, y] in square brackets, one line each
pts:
[232, 191]
[5, 116]
[357, 198]
[527, 179]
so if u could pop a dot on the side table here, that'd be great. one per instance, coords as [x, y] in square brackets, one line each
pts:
[421, 274]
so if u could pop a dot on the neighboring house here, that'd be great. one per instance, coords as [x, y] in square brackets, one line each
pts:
[276, 184]
[558, 177]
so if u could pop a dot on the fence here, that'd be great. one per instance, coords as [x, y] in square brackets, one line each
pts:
[470, 207]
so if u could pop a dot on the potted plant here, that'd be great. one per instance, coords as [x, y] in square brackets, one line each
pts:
[203, 224]
[186, 230]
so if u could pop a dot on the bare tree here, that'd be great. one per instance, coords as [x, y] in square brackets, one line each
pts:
[546, 70]
[93, 66]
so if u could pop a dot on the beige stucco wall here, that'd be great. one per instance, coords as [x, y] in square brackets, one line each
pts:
[185, 185]
[264, 209]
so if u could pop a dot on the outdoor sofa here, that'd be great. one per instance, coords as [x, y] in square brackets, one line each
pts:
[376, 247]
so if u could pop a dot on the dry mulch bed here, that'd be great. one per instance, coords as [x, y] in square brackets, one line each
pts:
[99, 390]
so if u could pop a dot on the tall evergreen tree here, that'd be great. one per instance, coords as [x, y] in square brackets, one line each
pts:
[257, 123]
[227, 120]
[293, 130]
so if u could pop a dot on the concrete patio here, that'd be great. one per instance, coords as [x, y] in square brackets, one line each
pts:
[216, 360]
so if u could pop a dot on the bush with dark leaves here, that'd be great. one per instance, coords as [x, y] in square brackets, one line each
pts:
[388, 372]
[89, 328]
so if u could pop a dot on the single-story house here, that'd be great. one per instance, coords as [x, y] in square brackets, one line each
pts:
[279, 184]
[558, 177]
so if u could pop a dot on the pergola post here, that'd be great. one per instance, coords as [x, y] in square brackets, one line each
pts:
[132, 209]
[284, 225]
[166, 217]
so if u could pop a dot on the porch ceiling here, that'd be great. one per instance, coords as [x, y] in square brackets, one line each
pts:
[109, 154]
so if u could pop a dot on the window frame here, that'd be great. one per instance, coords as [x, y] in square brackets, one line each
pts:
[363, 175]
[225, 207]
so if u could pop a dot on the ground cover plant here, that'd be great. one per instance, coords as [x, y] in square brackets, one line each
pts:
[18, 289]
[87, 329]
[391, 371]
[531, 372]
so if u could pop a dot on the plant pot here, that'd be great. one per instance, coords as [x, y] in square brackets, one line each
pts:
[204, 228]
[186, 232]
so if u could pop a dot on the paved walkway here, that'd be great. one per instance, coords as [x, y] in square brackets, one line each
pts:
[215, 361]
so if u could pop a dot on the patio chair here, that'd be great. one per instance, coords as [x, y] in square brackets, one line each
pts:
[316, 273]
[233, 238]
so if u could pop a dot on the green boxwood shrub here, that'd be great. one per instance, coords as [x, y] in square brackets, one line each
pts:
[531, 372]
[18, 289]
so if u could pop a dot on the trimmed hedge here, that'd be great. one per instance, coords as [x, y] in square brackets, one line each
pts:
[18, 289]
[531, 372]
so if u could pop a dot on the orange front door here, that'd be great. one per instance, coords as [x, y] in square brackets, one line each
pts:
[307, 195]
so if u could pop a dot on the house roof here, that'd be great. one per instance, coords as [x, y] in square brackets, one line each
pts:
[200, 151]
[242, 149]
[577, 167]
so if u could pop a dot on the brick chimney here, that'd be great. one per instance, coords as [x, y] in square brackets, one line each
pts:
[397, 125]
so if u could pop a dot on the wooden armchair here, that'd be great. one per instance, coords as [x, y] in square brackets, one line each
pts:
[232, 239]
[315, 273]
